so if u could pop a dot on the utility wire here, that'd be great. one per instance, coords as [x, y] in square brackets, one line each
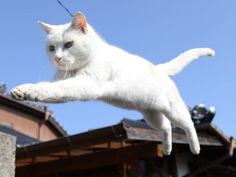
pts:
[65, 8]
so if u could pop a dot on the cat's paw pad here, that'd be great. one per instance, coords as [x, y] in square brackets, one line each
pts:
[20, 92]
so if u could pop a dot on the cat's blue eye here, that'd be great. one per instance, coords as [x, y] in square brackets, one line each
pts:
[68, 45]
[51, 48]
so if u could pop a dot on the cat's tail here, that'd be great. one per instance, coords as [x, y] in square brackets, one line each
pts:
[176, 65]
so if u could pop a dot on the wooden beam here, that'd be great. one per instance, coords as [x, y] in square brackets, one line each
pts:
[90, 161]
[220, 134]
[214, 163]
[82, 140]
[137, 168]
[178, 137]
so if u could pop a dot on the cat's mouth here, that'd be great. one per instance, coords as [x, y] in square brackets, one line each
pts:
[60, 65]
[63, 66]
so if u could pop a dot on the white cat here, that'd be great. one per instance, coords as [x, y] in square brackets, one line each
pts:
[88, 68]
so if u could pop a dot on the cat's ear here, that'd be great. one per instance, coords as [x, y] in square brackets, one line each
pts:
[79, 22]
[46, 27]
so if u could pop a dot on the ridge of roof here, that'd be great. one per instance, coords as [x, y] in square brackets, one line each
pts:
[28, 104]
[32, 107]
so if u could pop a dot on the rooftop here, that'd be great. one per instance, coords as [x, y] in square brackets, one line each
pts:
[106, 145]
[31, 108]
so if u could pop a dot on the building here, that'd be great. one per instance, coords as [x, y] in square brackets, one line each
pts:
[28, 120]
[128, 149]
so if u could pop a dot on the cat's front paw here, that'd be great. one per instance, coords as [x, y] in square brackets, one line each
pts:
[30, 92]
[21, 92]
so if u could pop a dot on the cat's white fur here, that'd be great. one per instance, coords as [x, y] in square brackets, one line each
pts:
[92, 69]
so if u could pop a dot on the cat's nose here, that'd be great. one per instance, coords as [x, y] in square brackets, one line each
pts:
[58, 59]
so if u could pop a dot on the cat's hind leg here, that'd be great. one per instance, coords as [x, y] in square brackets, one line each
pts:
[180, 116]
[159, 122]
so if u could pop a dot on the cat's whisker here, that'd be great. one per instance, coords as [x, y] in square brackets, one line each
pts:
[70, 73]
[66, 73]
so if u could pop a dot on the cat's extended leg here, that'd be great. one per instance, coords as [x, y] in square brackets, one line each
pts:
[180, 116]
[191, 136]
[79, 88]
[159, 122]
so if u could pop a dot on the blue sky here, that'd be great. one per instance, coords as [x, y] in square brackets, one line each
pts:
[156, 29]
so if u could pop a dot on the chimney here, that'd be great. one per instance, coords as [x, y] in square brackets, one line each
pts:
[3, 87]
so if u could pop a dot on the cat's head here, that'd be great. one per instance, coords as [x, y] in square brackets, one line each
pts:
[68, 45]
